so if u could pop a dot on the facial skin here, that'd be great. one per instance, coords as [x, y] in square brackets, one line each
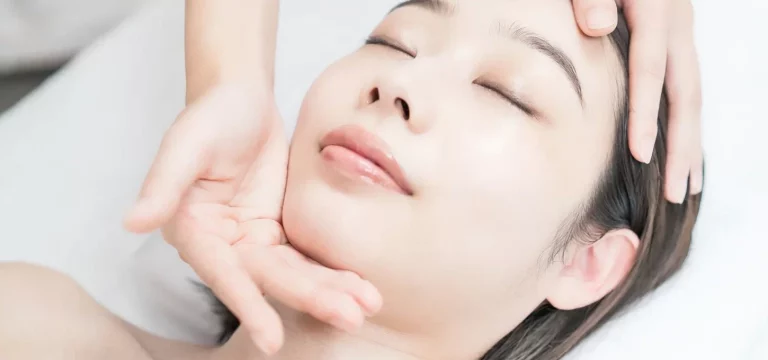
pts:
[463, 257]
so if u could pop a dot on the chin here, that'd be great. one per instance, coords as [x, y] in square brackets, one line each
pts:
[323, 226]
[340, 229]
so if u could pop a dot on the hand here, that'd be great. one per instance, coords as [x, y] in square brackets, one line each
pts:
[216, 188]
[662, 46]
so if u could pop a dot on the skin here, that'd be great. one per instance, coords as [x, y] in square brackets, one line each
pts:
[227, 149]
[460, 259]
[662, 54]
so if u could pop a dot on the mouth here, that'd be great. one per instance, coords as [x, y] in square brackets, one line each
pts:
[363, 155]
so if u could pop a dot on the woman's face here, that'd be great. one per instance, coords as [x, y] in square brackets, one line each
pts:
[500, 117]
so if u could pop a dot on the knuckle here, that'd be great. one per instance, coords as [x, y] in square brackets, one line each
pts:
[307, 292]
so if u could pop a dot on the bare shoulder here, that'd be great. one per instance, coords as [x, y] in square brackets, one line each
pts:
[45, 315]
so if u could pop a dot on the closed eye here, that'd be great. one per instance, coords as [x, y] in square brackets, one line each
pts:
[509, 97]
[382, 41]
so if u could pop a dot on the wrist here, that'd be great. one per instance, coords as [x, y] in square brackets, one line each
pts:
[248, 82]
[230, 41]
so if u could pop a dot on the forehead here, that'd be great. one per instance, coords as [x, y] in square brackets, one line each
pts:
[594, 59]
[550, 17]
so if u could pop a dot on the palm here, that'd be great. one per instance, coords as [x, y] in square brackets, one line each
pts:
[216, 189]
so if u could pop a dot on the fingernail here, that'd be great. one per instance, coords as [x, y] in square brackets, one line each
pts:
[677, 195]
[696, 185]
[599, 18]
[646, 148]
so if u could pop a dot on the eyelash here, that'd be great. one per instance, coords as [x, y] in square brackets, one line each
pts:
[508, 97]
[380, 41]
[497, 90]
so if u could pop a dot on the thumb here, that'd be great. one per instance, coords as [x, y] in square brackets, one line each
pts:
[177, 166]
[596, 17]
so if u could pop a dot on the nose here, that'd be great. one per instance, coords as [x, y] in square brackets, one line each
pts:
[392, 101]
[395, 95]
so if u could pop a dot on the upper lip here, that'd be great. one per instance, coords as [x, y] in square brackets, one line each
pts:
[369, 146]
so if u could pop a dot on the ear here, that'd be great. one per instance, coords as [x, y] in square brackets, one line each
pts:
[593, 270]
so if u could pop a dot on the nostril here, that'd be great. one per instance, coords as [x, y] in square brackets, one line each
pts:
[373, 96]
[404, 107]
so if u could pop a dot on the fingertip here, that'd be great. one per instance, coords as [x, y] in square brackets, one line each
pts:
[646, 146]
[268, 346]
[676, 191]
[147, 215]
[341, 311]
[372, 301]
[262, 322]
[695, 186]
[596, 18]
[676, 186]
[697, 181]
[350, 319]
[138, 218]
[642, 136]
[267, 337]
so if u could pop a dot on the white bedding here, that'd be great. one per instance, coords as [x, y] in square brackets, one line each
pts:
[44, 33]
[73, 155]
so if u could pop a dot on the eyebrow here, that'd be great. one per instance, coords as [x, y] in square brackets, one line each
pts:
[437, 6]
[513, 32]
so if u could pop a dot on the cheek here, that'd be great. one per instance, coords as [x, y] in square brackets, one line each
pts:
[332, 98]
[502, 175]
[490, 201]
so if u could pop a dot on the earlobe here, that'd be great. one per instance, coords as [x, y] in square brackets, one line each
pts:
[593, 270]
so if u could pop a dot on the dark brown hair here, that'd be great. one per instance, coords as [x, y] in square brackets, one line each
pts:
[630, 196]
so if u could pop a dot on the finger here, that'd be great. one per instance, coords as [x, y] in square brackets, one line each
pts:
[682, 128]
[596, 17]
[697, 172]
[292, 287]
[684, 92]
[678, 162]
[647, 69]
[219, 268]
[263, 232]
[262, 190]
[287, 280]
[364, 293]
[176, 167]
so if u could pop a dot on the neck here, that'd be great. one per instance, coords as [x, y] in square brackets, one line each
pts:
[307, 338]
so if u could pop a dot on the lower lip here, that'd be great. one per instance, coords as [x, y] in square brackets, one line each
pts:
[356, 167]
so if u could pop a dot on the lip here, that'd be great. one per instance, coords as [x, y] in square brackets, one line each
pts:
[368, 147]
